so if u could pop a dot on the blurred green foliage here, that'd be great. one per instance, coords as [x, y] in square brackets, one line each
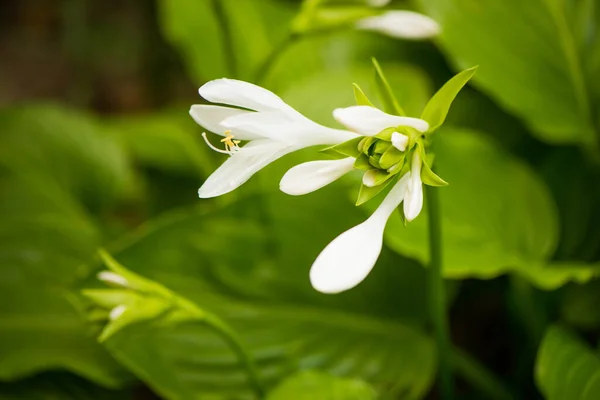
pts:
[520, 151]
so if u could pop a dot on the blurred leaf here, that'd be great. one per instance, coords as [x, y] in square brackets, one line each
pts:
[167, 141]
[67, 147]
[412, 89]
[532, 68]
[566, 368]
[58, 386]
[52, 160]
[285, 324]
[312, 385]
[580, 305]
[498, 216]
[220, 38]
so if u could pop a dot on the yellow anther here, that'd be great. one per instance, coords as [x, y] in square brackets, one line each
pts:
[231, 145]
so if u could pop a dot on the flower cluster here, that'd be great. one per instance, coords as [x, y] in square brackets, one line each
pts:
[388, 149]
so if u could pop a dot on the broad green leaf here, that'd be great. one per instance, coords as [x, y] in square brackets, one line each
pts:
[220, 38]
[438, 106]
[167, 141]
[566, 368]
[498, 216]
[579, 306]
[281, 319]
[390, 104]
[531, 68]
[193, 28]
[56, 166]
[59, 386]
[313, 385]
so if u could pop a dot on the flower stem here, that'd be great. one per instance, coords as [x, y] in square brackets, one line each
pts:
[437, 296]
[227, 36]
[235, 343]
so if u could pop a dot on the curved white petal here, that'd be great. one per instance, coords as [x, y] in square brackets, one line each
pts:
[401, 24]
[242, 165]
[349, 258]
[370, 121]
[212, 117]
[413, 203]
[117, 312]
[243, 94]
[279, 126]
[399, 141]
[314, 175]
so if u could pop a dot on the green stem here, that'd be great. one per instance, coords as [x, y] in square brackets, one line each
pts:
[263, 71]
[437, 297]
[235, 343]
[479, 376]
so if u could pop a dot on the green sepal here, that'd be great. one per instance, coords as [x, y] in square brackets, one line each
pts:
[365, 145]
[437, 108]
[366, 193]
[381, 146]
[402, 216]
[386, 134]
[108, 298]
[391, 157]
[362, 163]
[402, 166]
[380, 176]
[390, 104]
[313, 17]
[348, 148]
[374, 160]
[333, 154]
[428, 177]
[360, 97]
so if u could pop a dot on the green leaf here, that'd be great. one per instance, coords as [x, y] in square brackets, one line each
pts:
[532, 69]
[566, 368]
[320, 18]
[169, 141]
[390, 104]
[313, 385]
[57, 170]
[360, 97]
[579, 306]
[437, 108]
[498, 216]
[285, 324]
[223, 37]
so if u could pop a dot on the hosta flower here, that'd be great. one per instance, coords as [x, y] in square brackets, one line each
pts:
[390, 148]
[272, 128]
[401, 24]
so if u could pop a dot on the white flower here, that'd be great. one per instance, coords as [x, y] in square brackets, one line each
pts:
[413, 202]
[401, 24]
[272, 128]
[117, 312]
[349, 258]
[112, 278]
[313, 175]
[369, 121]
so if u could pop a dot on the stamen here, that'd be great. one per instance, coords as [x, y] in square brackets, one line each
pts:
[230, 149]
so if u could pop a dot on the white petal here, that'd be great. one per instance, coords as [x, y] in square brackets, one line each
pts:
[243, 94]
[242, 165]
[314, 175]
[370, 121]
[368, 178]
[117, 312]
[349, 258]
[413, 203]
[399, 141]
[281, 127]
[212, 118]
[378, 3]
[112, 278]
[401, 24]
